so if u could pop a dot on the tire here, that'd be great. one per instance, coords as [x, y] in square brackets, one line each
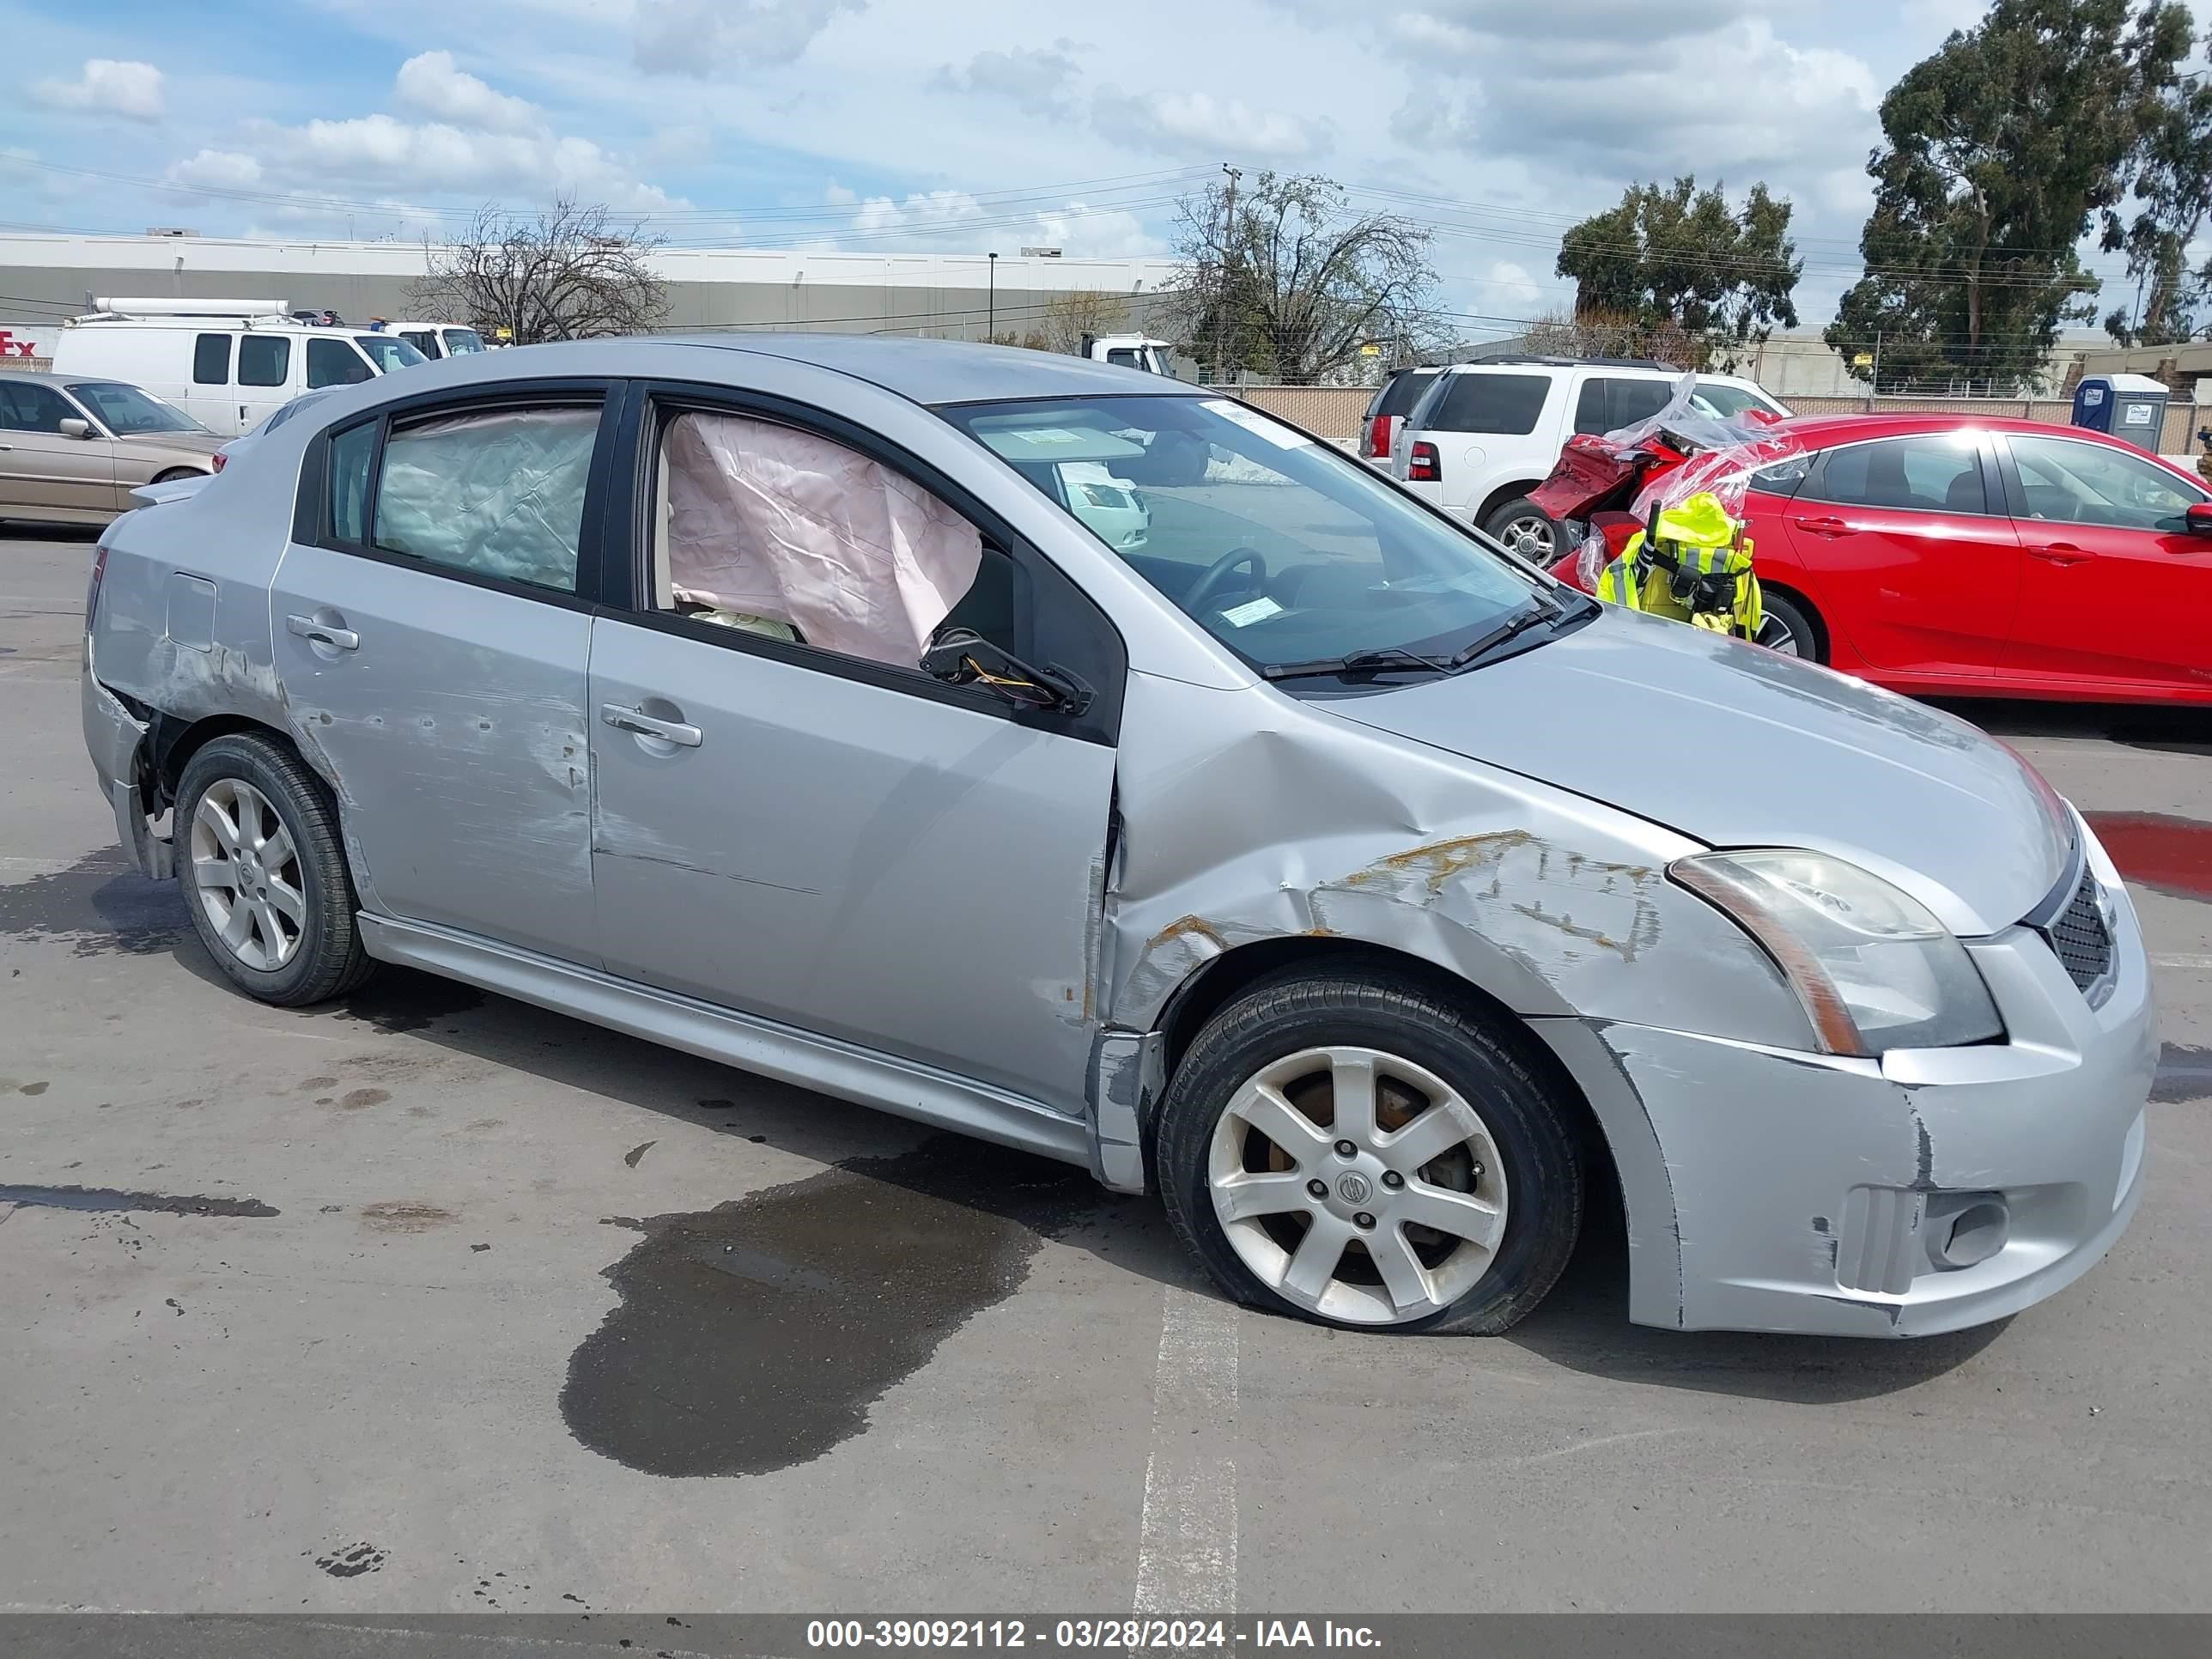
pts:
[1526, 529]
[1523, 1165]
[316, 955]
[176, 474]
[1798, 635]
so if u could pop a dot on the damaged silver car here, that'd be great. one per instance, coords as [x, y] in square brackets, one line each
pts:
[1379, 901]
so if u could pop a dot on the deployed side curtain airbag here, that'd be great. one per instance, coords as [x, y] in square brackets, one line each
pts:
[501, 494]
[769, 521]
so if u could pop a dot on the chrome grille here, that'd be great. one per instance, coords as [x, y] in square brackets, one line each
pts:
[2079, 936]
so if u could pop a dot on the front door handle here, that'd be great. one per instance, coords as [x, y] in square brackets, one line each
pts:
[1823, 527]
[650, 725]
[338, 639]
[2059, 553]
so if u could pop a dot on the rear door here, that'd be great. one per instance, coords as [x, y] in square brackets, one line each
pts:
[432, 619]
[1912, 557]
[2114, 587]
[1489, 426]
[829, 838]
[41, 468]
[265, 371]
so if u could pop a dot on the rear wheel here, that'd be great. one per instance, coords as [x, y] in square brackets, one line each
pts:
[1525, 529]
[175, 474]
[1789, 628]
[1363, 1151]
[264, 873]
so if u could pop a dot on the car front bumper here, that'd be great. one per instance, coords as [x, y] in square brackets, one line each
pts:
[114, 737]
[1928, 1191]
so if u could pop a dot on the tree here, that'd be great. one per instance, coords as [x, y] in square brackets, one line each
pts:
[1613, 334]
[2173, 190]
[1066, 320]
[1682, 256]
[1999, 148]
[1286, 280]
[569, 274]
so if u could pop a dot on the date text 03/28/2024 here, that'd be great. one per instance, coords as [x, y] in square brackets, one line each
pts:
[1171, 1635]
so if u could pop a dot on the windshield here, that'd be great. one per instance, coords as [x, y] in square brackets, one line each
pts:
[129, 413]
[389, 351]
[1729, 401]
[1281, 548]
[460, 341]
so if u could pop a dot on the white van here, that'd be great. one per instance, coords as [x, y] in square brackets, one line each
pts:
[228, 363]
[436, 340]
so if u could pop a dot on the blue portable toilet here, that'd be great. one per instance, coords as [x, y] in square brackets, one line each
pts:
[2131, 406]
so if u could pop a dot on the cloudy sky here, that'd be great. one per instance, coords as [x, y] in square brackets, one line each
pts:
[881, 125]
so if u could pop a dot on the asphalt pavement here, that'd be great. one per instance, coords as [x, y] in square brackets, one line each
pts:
[434, 1302]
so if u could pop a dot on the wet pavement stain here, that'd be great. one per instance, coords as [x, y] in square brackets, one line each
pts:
[355, 1100]
[395, 1217]
[755, 1336]
[634, 1153]
[398, 1001]
[111, 1199]
[352, 1561]
[2172, 854]
[97, 906]
[2184, 1073]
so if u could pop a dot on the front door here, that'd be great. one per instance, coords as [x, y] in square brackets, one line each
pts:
[432, 645]
[819, 834]
[42, 468]
[2116, 588]
[1913, 556]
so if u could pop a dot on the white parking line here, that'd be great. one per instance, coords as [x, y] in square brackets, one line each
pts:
[1187, 1543]
[2183, 962]
[56, 866]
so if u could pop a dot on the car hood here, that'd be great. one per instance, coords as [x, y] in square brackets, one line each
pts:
[179, 443]
[1736, 746]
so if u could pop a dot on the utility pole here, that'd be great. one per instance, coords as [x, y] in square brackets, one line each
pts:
[1222, 286]
[1877, 366]
[990, 327]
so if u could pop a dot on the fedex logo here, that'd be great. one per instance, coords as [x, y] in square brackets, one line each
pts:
[12, 347]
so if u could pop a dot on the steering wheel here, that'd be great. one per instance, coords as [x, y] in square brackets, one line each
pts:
[1205, 589]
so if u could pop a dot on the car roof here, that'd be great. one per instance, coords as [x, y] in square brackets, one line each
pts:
[1825, 431]
[945, 371]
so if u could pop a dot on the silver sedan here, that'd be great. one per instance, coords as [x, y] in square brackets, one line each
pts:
[1378, 901]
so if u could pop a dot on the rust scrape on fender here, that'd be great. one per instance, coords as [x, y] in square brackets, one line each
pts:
[1437, 863]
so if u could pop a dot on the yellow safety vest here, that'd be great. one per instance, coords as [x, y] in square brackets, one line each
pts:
[1649, 584]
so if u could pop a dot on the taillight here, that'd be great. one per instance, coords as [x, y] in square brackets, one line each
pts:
[220, 459]
[1378, 436]
[98, 574]
[1422, 465]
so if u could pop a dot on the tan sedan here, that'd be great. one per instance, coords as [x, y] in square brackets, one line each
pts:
[71, 451]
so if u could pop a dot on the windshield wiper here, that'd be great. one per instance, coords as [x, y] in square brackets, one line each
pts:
[1540, 613]
[1390, 659]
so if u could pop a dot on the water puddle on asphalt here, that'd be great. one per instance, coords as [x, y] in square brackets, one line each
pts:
[109, 1199]
[756, 1335]
[2172, 855]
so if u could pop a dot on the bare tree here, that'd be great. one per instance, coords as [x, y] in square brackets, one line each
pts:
[1066, 320]
[571, 273]
[1616, 334]
[1286, 280]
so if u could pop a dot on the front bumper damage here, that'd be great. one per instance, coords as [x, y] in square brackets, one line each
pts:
[115, 739]
[1929, 1191]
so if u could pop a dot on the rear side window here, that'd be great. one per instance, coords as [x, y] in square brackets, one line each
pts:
[350, 455]
[335, 363]
[27, 406]
[1509, 404]
[1937, 472]
[497, 493]
[1401, 392]
[1607, 403]
[212, 359]
[263, 360]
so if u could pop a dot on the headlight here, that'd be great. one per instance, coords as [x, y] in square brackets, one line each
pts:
[1873, 968]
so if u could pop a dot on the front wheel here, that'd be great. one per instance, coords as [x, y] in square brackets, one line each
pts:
[1358, 1150]
[1523, 528]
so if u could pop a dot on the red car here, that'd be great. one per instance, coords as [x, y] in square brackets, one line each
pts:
[1965, 556]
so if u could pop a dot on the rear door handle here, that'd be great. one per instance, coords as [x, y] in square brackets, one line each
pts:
[2060, 553]
[1822, 526]
[338, 639]
[650, 725]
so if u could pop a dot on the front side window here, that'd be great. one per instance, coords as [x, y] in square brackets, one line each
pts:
[422, 340]
[27, 406]
[1728, 402]
[459, 342]
[1123, 357]
[128, 412]
[1508, 404]
[335, 363]
[776, 531]
[389, 352]
[497, 493]
[212, 359]
[1935, 472]
[2071, 483]
[263, 360]
[1285, 551]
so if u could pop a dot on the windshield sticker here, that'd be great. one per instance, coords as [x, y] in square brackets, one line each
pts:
[1251, 611]
[1259, 425]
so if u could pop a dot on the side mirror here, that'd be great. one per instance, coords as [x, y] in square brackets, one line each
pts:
[72, 427]
[2199, 518]
[964, 657]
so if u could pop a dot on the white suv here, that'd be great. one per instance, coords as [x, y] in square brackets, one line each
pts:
[1484, 435]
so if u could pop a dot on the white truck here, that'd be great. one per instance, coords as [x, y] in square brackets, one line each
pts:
[1138, 351]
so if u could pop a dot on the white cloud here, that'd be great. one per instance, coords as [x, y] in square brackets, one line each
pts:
[1510, 284]
[1198, 124]
[106, 86]
[1035, 80]
[937, 211]
[1937, 18]
[700, 37]
[432, 83]
[430, 157]
[221, 169]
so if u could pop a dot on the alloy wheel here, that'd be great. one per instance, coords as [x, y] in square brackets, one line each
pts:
[247, 873]
[1357, 1185]
[1530, 535]
[1778, 636]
